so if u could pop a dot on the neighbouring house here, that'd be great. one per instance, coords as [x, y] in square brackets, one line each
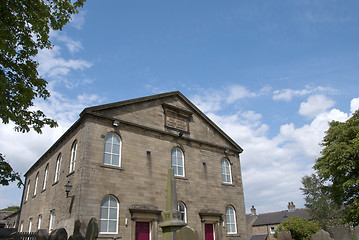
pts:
[263, 226]
[112, 164]
[8, 219]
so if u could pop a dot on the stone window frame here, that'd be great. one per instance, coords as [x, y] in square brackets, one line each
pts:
[183, 162]
[52, 220]
[39, 221]
[73, 156]
[111, 153]
[226, 171]
[36, 184]
[46, 173]
[30, 225]
[184, 211]
[229, 220]
[58, 168]
[108, 219]
[27, 191]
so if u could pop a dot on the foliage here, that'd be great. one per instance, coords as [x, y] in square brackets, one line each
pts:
[24, 30]
[339, 166]
[321, 207]
[299, 228]
[11, 208]
[7, 174]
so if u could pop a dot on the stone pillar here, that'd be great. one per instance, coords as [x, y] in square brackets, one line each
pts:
[171, 217]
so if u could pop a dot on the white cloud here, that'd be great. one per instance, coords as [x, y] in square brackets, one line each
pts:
[237, 92]
[354, 105]
[78, 20]
[315, 105]
[287, 94]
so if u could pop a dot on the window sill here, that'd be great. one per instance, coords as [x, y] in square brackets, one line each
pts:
[228, 184]
[180, 177]
[55, 183]
[233, 235]
[71, 173]
[112, 167]
[43, 190]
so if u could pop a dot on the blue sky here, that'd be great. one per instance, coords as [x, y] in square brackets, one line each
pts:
[269, 73]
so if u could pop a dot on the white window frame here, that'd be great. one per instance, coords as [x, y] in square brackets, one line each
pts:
[45, 177]
[21, 226]
[174, 161]
[39, 222]
[27, 191]
[108, 219]
[58, 168]
[30, 224]
[109, 139]
[52, 221]
[73, 156]
[182, 212]
[272, 230]
[36, 182]
[231, 215]
[226, 171]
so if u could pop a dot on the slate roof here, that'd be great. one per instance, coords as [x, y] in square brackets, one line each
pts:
[260, 236]
[278, 217]
[249, 218]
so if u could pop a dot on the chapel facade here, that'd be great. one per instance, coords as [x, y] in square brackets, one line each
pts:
[114, 161]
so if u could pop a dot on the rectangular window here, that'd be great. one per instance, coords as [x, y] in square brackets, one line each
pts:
[39, 222]
[21, 226]
[272, 230]
[52, 220]
[27, 191]
[30, 224]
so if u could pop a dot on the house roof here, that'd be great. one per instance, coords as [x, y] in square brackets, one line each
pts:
[249, 218]
[278, 217]
[259, 236]
[95, 111]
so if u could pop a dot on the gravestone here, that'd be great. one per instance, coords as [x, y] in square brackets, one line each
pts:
[341, 234]
[58, 234]
[321, 235]
[92, 229]
[186, 233]
[77, 235]
[42, 234]
[284, 236]
[356, 233]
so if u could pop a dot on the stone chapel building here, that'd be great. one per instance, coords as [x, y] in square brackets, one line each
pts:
[114, 161]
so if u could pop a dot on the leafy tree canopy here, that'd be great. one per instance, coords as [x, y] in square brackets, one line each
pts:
[299, 228]
[11, 208]
[7, 174]
[321, 207]
[24, 30]
[339, 166]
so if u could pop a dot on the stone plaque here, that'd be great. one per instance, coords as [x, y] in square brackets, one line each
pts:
[176, 120]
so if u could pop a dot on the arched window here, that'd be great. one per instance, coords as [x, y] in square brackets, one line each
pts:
[45, 177]
[36, 182]
[58, 168]
[109, 215]
[231, 220]
[183, 210]
[112, 152]
[226, 171]
[27, 191]
[177, 162]
[73, 156]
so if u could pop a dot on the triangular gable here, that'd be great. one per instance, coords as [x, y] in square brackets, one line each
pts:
[139, 110]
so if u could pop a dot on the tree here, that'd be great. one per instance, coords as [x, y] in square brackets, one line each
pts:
[7, 174]
[11, 208]
[322, 209]
[338, 166]
[24, 30]
[299, 228]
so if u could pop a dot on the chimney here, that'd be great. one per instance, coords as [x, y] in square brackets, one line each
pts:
[253, 211]
[291, 207]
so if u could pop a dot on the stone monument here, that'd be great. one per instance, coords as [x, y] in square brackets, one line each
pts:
[171, 217]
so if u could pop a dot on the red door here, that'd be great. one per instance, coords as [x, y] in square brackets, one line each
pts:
[209, 231]
[142, 231]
